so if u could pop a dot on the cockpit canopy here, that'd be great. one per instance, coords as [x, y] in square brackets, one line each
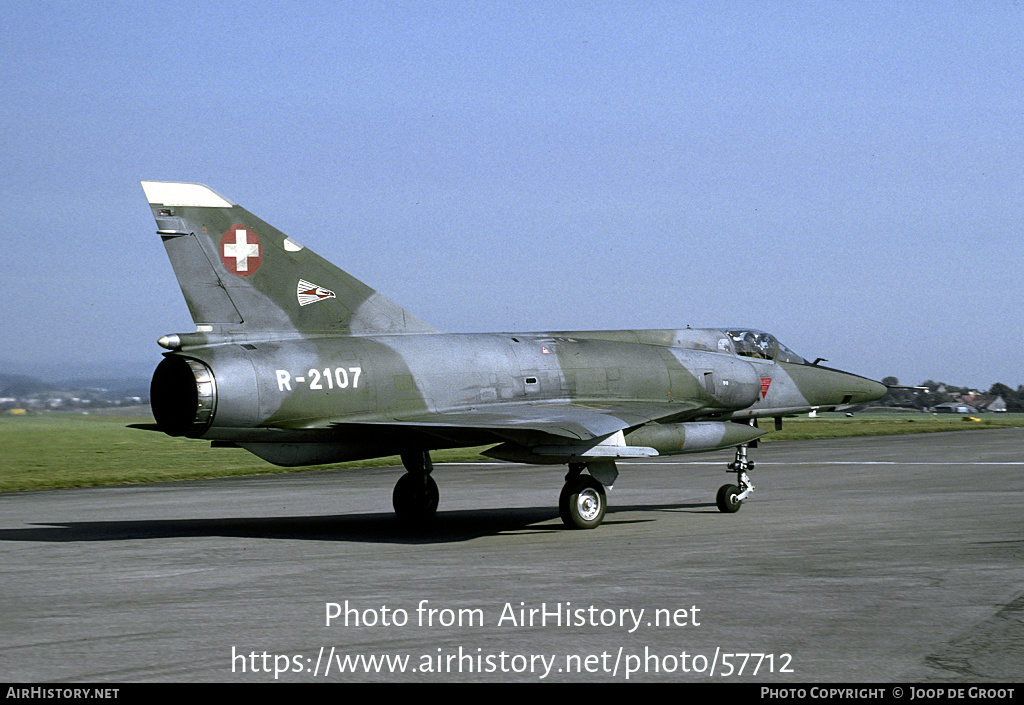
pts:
[762, 346]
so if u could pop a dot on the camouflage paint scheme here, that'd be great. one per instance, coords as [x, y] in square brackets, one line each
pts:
[300, 363]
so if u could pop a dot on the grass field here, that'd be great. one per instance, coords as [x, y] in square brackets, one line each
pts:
[64, 450]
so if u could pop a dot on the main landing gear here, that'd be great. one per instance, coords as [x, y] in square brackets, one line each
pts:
[582, 502]
[415, 497]
[730, 497]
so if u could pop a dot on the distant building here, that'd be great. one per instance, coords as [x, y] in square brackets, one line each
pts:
[954, 407]
[984, 402]
[972, 403]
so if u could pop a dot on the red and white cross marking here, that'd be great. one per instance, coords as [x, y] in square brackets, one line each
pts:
[240, 250]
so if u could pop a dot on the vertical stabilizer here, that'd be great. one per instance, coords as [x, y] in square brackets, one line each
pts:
[241, 274]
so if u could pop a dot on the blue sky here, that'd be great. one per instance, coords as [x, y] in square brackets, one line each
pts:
[846, 175]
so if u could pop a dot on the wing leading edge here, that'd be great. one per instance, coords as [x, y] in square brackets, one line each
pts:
[571, 421]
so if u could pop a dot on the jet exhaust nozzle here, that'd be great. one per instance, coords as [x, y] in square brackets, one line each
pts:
[183, 395]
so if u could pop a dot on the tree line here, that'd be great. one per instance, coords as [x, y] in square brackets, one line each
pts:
[935, 393]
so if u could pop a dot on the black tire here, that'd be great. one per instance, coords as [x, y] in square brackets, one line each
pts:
[415, 498]
[582, 503]
[564, 499]
[726, 499]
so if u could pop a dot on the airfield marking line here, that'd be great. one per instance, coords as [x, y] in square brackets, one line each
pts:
[760, 463]
[832, 462]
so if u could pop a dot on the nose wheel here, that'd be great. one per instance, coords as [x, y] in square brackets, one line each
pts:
[730, 497]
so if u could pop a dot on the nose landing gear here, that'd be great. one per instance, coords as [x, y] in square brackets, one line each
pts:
[730, 497]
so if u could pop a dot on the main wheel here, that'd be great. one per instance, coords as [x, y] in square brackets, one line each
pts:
[415, 498]
[582, 503]
[726, 499]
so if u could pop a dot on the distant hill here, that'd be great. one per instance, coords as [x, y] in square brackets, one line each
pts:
[127, 385]
[82, 392]
[20, 385]
[84, 370]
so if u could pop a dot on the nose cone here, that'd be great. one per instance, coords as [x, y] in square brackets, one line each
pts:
[868, 390]
[825, 386]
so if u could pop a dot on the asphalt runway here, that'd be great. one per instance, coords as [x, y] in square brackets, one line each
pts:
[884, 559]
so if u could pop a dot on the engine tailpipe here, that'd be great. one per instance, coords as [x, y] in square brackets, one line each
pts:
[183, 395]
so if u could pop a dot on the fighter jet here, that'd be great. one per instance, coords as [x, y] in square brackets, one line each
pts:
[300, 363]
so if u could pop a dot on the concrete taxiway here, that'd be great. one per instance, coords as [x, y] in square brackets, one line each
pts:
[885, 559]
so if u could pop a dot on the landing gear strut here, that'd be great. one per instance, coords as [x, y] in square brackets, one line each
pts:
[415, 497]
[730, 497]
[582, 502]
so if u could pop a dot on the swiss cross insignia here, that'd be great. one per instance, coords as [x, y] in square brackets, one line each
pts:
[240, 250]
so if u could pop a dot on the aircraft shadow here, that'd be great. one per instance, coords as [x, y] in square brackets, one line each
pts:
[447, 527]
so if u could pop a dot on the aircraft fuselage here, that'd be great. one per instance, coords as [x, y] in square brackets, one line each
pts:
[269, 391]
